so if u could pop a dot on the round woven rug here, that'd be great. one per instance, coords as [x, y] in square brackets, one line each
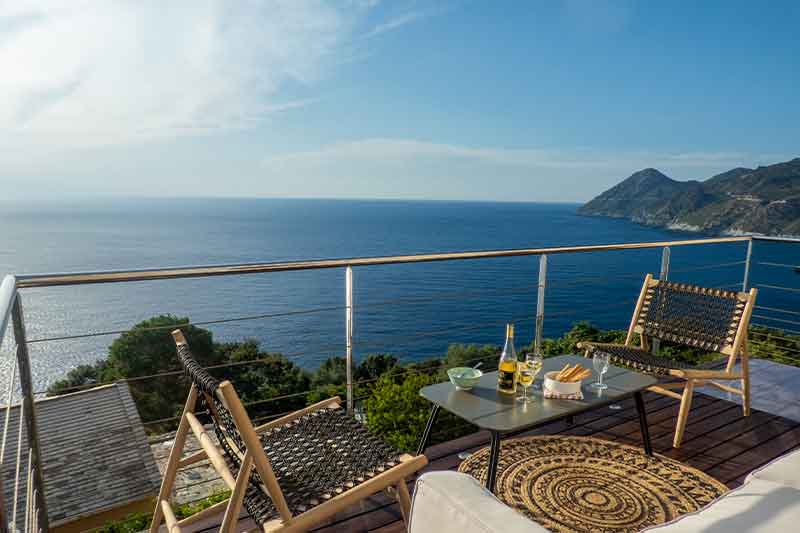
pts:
[578, 484]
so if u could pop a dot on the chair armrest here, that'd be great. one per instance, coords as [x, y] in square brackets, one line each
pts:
[452, 501]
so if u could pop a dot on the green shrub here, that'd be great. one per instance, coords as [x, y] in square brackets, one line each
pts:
[136, 522]
[397, 413]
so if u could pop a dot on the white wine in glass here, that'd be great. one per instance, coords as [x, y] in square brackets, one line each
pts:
[528, 370]
[525, 377]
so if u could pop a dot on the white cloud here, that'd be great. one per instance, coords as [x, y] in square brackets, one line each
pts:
[100, 72]
[380, 149]
[397, 22]
[410, 168]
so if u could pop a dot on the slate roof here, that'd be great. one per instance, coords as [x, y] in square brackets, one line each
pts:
[94, 451]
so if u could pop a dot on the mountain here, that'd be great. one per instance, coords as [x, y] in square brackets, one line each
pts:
[764, 200]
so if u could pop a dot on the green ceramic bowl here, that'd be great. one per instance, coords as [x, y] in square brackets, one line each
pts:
[464, 377]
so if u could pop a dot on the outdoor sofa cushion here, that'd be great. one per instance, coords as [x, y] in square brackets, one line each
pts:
[784, 470]
[757, 507]
[452, 501]
[768, 501]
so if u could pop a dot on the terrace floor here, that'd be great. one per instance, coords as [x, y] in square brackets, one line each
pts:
[718, 441]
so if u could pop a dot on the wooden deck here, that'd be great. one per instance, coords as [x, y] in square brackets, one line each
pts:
[718, 440]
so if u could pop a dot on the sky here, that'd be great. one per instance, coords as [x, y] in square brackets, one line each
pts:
[454, 99]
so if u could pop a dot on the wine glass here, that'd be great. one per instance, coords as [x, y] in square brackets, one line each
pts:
[600, 363]
[535, 360]
[527, 374]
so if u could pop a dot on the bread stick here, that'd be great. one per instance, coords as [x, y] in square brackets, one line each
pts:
[572, 373]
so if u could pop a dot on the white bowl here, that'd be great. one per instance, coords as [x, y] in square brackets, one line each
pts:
[560, 387]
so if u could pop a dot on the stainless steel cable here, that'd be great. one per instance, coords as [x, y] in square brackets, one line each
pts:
[780, 265]
[775, 319]
[777, 287]
[19, 460]
[9, 398]
[777, 310]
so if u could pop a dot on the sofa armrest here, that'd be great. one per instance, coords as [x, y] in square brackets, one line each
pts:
[451, 501]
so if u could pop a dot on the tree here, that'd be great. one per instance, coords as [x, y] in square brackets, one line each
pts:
[145, 350]
[397, 412]
[375, 365]
[148, 349]
[268, 383]
[472, 354]
[332, 371]
[79, 378]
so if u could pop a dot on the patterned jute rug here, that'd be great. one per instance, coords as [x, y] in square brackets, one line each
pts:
[578, 484]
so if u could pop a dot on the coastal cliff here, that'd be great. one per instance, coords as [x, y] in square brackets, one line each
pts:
[765, 200]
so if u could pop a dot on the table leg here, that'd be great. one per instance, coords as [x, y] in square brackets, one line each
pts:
[648, 447]
[494, 457]
[426, 435]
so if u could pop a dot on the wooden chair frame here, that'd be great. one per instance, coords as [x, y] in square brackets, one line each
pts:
[392, 480]
[692, 378]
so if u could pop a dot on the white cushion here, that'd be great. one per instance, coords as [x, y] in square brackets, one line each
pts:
[785, 470]
[757, 507]
[452, 501]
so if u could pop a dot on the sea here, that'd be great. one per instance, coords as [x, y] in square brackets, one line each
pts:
[414, 311]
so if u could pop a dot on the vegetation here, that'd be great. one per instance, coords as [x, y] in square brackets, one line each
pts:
[136, 522]
[271, 384]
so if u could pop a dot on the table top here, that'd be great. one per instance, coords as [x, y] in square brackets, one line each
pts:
[489, 409]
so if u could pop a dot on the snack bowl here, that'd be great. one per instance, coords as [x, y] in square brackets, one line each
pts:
[560, 387]
[464, 377]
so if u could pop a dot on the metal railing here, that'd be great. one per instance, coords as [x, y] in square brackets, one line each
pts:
[11, 311]
[31, 503]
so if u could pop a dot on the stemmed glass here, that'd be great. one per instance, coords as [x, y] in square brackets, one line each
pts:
[600, 363]
[528, 370]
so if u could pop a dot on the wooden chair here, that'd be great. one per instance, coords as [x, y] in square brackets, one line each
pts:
[289, 474]
[698, 317]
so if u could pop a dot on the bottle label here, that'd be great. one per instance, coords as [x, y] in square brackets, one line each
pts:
[505, 380]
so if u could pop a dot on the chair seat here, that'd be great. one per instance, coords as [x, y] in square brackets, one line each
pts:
[316, 457]
[635, 358]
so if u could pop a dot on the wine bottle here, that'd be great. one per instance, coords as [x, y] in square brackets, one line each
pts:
[507, 370]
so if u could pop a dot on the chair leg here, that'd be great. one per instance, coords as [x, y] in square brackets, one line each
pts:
[745, 363]
[173, 463]
[683, 413]
[404, 499]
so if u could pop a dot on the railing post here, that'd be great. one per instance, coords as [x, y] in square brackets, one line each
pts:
[26, 382]
[348, 290]
[746, 278]
[537, 342]
[663, 276]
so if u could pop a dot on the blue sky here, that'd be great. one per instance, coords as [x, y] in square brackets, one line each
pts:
[541, 101]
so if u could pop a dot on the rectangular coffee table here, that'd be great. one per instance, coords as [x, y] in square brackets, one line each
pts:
[502, 415]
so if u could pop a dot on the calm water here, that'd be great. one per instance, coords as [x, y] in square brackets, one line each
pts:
[413, 311]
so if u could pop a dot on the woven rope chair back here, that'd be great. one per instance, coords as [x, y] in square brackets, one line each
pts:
[690, 315]
[210, 408]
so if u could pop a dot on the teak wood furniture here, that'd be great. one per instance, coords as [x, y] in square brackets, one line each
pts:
[288, 474]
[503, 416]
[693, 316]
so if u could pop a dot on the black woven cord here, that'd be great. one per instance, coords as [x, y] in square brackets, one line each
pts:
[690, 315]
[314, 457]
[637, 359]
